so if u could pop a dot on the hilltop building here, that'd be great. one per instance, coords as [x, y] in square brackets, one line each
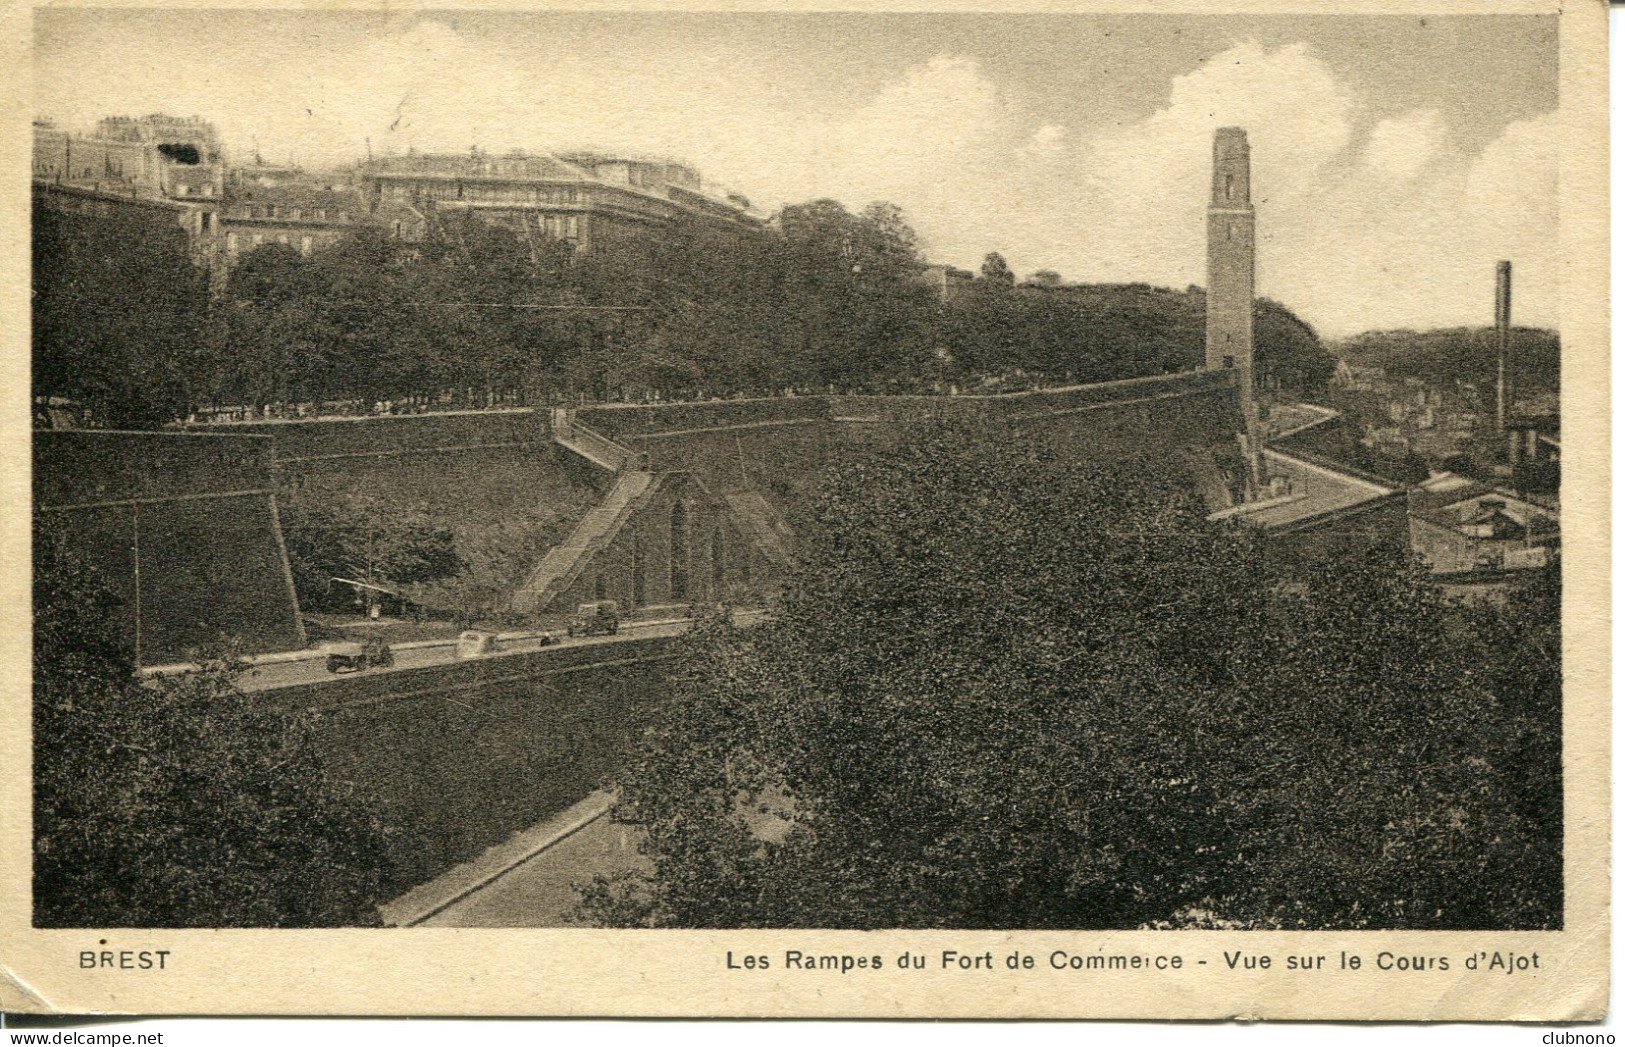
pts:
[588, 200]
[146, 176]
[151, 156]
[307, 216]
[174, 171]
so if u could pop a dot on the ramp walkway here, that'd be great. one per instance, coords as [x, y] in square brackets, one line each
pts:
[563, 564]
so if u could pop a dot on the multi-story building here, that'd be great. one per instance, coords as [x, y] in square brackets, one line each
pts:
[307, 217]
[175, 169]
[153, 156]
[588, 200]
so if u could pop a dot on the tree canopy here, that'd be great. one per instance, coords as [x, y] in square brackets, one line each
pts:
[1009, 690]
[1466, 354]
[120, 319]
[479, 314]
[365, 541]
[1104, 332]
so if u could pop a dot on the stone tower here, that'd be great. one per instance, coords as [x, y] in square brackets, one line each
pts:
[1230, 262]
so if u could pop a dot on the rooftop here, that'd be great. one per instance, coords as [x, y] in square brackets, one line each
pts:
[469, 165]
[1483, 504]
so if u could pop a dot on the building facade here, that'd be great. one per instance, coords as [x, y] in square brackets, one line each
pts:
[586, 200]
[153, 156]
[175, 169]
[307, 217]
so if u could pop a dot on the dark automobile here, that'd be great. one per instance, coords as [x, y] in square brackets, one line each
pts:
[355, 657]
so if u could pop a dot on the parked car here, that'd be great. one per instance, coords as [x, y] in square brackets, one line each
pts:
[356, 657]
[596, 618]
[475, 642]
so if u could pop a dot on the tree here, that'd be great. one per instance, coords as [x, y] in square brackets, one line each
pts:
[995, 270]
[1009, 690]
[119, 316]
[179, 803]
[852, 293]
[365, 541]
[1288, 349]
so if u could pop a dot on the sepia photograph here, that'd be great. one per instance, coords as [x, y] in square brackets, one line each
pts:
[1054, 471]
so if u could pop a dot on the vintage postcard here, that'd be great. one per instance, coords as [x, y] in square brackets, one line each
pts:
[1078, 510]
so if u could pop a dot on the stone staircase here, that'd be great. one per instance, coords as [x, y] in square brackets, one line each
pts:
[633, 485]
[563, 564]
[592, 445]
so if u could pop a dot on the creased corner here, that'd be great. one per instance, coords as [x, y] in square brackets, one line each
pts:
[14, 987]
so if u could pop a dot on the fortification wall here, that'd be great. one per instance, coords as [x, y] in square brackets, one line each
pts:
[182, 527]
[471, 752]
[302, 441]
[781, 447]
[623, 421]
[493, 478]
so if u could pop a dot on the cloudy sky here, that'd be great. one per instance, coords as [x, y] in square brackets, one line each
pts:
[1395, 159]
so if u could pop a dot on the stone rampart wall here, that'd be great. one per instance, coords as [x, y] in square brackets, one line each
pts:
[469, 753]
[183, 528]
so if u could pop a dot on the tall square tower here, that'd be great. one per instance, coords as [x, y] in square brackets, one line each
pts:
[1230, 261]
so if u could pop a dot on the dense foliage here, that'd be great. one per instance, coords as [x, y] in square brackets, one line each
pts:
[1010, 690]
[119, 316]
[1468, 354]
[180, 803]
[1099, 333]
[478, 315]
[366, 542]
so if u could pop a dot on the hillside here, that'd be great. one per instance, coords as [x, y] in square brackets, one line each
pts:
[1466, 353]
[1104, 332]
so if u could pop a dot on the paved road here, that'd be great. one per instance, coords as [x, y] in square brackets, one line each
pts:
[304, 667]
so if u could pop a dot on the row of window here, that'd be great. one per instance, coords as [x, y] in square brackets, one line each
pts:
[235, 244]
[294, 214]
[418, 192]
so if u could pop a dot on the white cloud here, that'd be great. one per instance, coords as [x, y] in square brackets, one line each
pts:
[1395, 227]
[1402, 146]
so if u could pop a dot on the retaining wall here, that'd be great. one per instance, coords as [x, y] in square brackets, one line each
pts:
[182, 527]
[468, 753]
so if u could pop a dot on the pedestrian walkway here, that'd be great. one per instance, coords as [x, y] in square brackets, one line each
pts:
[564, 562]
[528, 880]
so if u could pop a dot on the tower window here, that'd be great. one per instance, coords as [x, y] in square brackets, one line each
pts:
[1229, 185]
[1229, 361]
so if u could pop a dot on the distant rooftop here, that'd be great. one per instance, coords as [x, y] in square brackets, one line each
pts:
[469, 165]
